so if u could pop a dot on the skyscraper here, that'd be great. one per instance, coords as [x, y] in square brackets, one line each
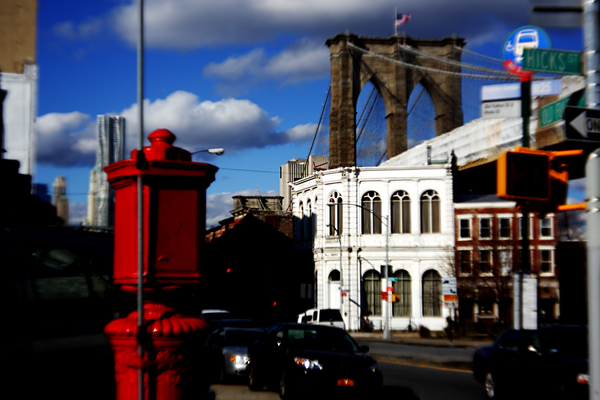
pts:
[59, 198]
[111, 148]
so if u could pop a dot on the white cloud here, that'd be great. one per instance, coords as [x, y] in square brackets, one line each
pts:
[230, 123]
[82, 31]
[66, 139]
[236, 125]
[192, 24]
[218, 205]
[305, 60]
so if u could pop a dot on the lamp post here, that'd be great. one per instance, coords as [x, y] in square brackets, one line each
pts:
[385, 220]
[217, 150]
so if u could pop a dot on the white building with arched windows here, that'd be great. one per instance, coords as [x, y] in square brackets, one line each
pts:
[356, 218]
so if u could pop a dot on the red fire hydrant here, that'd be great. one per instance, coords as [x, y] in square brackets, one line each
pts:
[174, 223]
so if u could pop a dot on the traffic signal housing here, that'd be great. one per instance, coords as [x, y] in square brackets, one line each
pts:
[536, 177]
[524, 174]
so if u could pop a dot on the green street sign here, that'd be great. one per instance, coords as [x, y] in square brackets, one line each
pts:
[554, 61]
[554, 112]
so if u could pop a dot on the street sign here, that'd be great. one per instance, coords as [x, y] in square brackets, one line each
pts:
[582, 123]
[501, 109]
[554, 112]
[505, 91]
[449, 286]
[393, 279]
[554, 61]
[526, 37]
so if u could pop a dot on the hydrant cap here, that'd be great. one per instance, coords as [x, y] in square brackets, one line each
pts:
[161, 135]
[161, 147]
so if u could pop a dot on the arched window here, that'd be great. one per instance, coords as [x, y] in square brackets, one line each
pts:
[432, 294]
[336, 214]
[371, 213]
[430, 212]
[400, 212]
[308, 232]
[403, 307]
[372, 290]
[301, 221]
[314, 219]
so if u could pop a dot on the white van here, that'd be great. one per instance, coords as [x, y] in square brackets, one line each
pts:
[322, 316]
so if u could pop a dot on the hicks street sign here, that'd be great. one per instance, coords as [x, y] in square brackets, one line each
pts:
[550, 60]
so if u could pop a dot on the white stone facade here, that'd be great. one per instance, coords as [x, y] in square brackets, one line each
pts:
[362, 254]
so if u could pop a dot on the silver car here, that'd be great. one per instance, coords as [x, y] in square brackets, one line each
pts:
[227, 351]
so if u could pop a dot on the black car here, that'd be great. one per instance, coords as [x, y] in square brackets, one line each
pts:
[301, 358]
[227, 351]
[549, 362]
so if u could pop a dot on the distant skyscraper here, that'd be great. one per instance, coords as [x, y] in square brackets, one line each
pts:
[111, 148]
[59, 198]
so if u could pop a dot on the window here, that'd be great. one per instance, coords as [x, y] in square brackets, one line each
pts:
[302, 222]
[400, 212]
[402, 308]
[485, 228]
[546, 262]
[335, 214]
[486, 307]
[432, 294]
[464, 228]
[430, 212]
[504, 225]
[546, 227]
[371, 213]
[464, 262]
[308, 232]
[505, 259]
[372, 290]
[485, 262]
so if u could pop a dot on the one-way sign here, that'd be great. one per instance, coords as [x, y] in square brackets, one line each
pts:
[582, 123]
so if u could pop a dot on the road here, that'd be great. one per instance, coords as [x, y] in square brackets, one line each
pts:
[457, 358]
[400, 381]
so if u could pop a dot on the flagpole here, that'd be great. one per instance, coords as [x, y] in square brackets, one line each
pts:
[395, 19]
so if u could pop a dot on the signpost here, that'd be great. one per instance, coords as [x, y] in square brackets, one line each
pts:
[554, 61]
[501, 109]
[554, 112]
[582, 124]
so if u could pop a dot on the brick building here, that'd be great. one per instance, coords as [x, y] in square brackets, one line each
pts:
[488, 252]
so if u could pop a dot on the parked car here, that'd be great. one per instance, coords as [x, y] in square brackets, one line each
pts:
[322, 316]
[549, 362]
[312, 359]
[227, 351]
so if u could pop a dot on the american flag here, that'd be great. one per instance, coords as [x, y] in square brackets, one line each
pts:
[402, 19]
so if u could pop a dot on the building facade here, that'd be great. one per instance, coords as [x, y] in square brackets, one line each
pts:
[111, 148]
[354, 219]
[18, 82]
[59, 198]
[488, 254]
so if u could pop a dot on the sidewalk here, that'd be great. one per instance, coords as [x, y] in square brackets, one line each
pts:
[414, 340]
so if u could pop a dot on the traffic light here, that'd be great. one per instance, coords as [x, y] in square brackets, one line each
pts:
[538, 177]
[523, 174]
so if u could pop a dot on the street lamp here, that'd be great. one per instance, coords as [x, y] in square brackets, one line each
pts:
[386, 325]
[217, 150]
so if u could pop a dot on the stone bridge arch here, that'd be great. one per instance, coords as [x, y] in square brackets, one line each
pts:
[352, 68]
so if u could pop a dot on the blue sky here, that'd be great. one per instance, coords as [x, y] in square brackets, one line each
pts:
[249, 76]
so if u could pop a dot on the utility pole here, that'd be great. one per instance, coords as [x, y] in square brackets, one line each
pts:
[592, 174]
